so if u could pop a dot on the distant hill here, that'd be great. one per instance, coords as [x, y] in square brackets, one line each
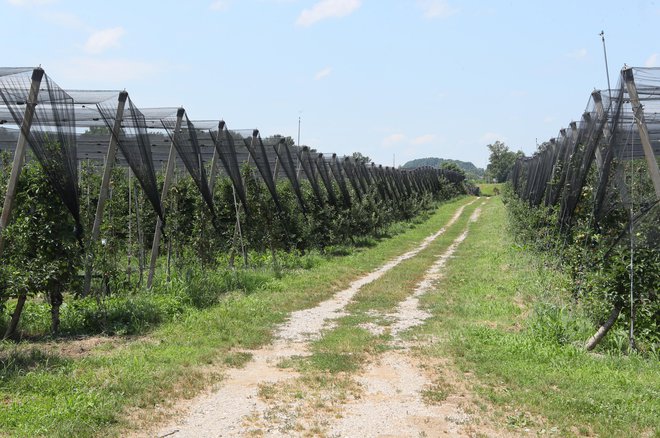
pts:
[472, 171]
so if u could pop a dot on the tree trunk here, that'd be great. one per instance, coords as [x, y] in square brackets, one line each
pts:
[56, 300]
[602, 331]
[15, 317]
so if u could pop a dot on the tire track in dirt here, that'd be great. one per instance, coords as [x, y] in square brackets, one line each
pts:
[392, 402]
[222, 413]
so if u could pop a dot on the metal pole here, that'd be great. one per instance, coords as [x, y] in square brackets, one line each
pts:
[19, 153]
[607, 69]
[103, 195]
[169, 172]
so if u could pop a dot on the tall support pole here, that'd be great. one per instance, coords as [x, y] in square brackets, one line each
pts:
[299, 162]
[638, 111]
[276, 168]
[607, 68]
[130, 226]
[600, 111]
[214, 170]
[103, 194]
[19, 153]
[169, 173]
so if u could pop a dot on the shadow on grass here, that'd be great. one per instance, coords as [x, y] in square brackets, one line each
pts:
[14, 362]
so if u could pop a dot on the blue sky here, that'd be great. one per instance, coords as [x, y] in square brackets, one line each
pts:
[403, 78]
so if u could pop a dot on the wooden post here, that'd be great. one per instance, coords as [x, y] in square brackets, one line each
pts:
[19, 153]
[600, 111]
[130, 226]
[214, 170]
[103, 194]
[169, 172]
[638, 112]
[276, 169]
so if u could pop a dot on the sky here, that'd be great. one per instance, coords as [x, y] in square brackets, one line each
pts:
[392, 79]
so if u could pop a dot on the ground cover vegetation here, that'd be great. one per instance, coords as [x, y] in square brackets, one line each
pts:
[609, 247]
[43, 262]
[505, 316]
[75, 389]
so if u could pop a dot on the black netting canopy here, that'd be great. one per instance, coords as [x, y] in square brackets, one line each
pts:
[187, 146]
[619, 129]
[52, 136]
[283, 152]
[133, 141]
[227, 152]
[258, 153]
[309, 169]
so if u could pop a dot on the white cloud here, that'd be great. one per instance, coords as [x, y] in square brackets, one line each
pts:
[423, 139]
[323, 73]
[104, 39]
[219, 5]
[327, 9]
[436, 8]
[653, 61]
[578, 54]
[393, 139]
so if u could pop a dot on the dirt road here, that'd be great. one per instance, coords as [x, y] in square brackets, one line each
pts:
[385, 398]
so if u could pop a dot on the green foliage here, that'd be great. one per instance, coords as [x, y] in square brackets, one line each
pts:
[41, 254]
[506, 317]
[598, 260]
[49, 392]
[195, 246]
[468, 168]
[501, 161]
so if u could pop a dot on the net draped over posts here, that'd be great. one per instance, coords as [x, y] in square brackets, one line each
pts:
[609, 135]
[52, 136]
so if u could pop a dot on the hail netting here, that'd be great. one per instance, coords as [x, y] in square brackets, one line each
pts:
[309, 169]
[389, 176]
[337, 172]
[366, 179]
[590, 131]
[604, 147]
[387, 184]
[52, 136]
[283, 152]
[395, 176]
[258, 153]
[351, 174]
[405, 179]
[226, 149]
[133, 141]
[187, 146]
[322, 166]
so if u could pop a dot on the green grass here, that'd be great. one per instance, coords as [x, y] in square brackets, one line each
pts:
[44, 393]
[489, 189]
[505, 317]
[347, 346]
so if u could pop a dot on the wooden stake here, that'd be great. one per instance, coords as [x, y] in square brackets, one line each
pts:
[638, 111]
[103, 194]
[19, 153]
[169, 172]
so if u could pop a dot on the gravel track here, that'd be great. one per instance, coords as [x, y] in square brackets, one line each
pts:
[392, 385]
